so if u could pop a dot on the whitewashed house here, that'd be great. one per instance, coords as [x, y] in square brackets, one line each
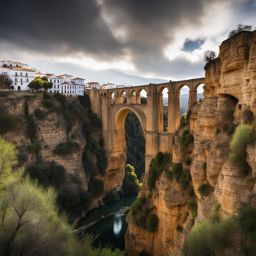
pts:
[21, 74]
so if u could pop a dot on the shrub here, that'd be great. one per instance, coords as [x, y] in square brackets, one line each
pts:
[152, 222]
[47, 174]
[48, 103]
[130, 183]
[66, 148]
[47, 96]
[204, 189]
[192, 206]
[208, 238]
[60, 98]
[186, 139]
[96, 187]
[177, 170]
[4, 94]
[138, 205]
[184, 119]
[247, 116]
[184, 179]
[246, 221]
[9, 122]
[39, 114]
[85, 101]
[139, 211]
[243, 136]
[71, 197]
[156, 167]
[169, 174]
[229, 128]
[34, 148]
[179, 229]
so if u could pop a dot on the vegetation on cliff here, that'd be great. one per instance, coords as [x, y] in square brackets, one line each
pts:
[80, 124]
[215, 236]
[70, 194]
[243, 136]
[144, 214]
[131, 182]
[30, 224]
[157, 165]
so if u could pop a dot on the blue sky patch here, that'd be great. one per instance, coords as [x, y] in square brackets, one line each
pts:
[190, 45]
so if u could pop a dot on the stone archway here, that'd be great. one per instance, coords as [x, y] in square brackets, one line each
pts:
[120, 117]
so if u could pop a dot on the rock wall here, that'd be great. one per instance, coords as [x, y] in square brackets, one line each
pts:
[230, 88]
[51, 131]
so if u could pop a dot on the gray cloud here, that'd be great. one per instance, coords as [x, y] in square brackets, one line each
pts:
[90, 28]
[59, 26]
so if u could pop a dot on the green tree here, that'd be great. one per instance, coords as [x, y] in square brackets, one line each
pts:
[36, 84]
[131, 183]
[7, 158]
[29, 220]
[40, 83]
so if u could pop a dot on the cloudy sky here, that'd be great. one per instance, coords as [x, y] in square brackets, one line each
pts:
[123, 41]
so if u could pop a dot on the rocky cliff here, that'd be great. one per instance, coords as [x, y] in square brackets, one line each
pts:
[202, 175]
[63, 130]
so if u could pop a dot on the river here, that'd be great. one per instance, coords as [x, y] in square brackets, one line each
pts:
[107, 223]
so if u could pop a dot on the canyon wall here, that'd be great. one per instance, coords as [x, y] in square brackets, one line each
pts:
[229, 90]
[59, 121]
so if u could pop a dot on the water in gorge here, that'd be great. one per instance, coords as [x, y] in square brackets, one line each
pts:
[107, 223]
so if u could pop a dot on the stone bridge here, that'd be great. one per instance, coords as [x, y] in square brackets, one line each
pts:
[113, 106]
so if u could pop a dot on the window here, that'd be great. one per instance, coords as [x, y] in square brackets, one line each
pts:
[21, 74]
[27, 80]
[26, 74]
[16, 73]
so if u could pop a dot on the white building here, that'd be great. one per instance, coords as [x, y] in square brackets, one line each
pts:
[20, 74]
[67, 85]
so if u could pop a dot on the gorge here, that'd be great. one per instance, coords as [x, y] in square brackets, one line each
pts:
[198, 174]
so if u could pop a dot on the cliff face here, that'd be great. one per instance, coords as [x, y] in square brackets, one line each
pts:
[230, 89]
[56, 123]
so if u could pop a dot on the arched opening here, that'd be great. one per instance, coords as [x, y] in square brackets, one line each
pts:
[133, 93]
[184, 105]
[184, 99]
[135, 145]
[113, 97]
[200, 92]
[165, 92]
[143, 96]
[124, 97]
[130, 140]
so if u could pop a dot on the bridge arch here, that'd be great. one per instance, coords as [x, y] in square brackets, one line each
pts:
[122, 114]
[120, 117]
